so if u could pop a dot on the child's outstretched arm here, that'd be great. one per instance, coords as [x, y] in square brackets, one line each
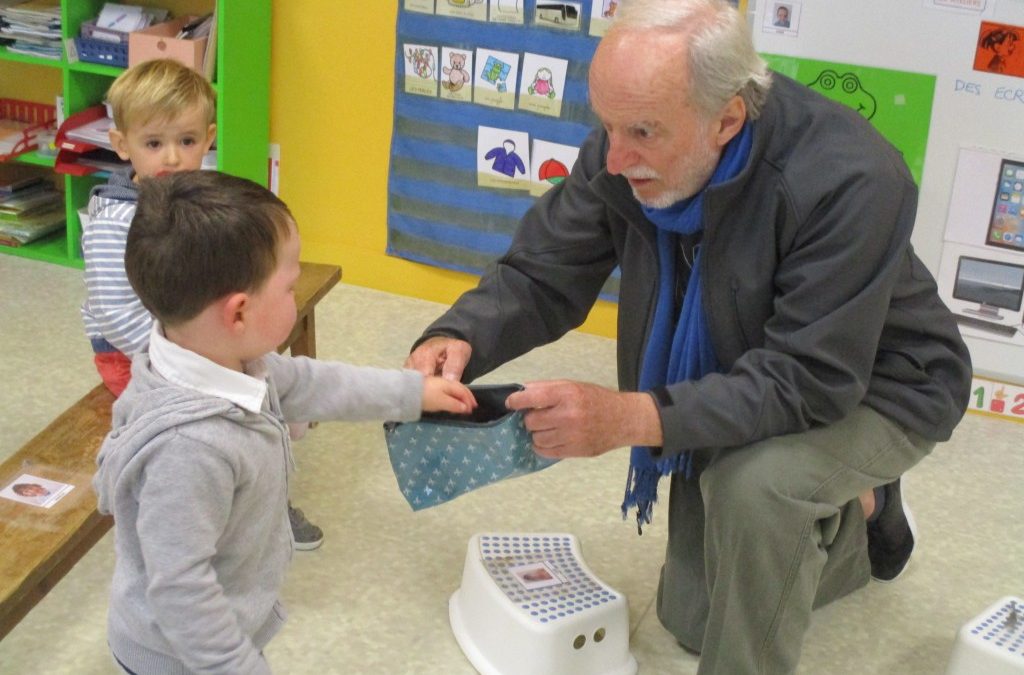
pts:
[444, 395]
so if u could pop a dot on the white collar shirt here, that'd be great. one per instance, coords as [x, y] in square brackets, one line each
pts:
[188, 369]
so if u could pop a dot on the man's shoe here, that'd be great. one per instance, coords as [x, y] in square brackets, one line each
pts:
[306, 535]
[891, 536]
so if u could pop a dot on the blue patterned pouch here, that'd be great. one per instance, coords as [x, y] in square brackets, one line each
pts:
[442, 456]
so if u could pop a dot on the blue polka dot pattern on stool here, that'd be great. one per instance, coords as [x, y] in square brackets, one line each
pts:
[574, 592]
[443, 456]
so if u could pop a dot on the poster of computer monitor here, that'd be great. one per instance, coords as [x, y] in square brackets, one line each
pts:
[992, 284]
[1006, 223]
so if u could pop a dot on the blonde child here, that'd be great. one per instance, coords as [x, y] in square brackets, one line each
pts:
[164, 118]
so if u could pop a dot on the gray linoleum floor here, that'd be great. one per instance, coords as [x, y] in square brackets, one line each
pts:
[374, 597]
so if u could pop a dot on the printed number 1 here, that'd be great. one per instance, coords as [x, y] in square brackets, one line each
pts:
[980, 393]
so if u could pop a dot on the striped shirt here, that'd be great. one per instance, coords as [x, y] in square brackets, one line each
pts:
[112, 311]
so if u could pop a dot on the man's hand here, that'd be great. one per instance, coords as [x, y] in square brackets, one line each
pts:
[577, 419]
[442, 356]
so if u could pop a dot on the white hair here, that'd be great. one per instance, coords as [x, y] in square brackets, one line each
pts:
[722, 60]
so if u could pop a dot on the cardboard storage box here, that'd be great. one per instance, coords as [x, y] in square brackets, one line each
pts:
[159, 42]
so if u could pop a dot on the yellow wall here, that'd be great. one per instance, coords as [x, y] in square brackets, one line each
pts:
[332, 70]
[34, 84]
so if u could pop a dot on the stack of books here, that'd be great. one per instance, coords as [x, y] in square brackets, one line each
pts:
[30, 206]
[31, 27]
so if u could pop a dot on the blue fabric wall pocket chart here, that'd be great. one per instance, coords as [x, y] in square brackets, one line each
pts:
[442, 456]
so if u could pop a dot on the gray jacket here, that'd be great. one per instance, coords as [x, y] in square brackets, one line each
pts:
[815, 299]
[198, 488]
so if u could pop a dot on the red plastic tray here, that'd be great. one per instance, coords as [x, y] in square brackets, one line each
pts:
[39, 115]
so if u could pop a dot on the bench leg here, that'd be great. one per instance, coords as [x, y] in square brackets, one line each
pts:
[305, 340]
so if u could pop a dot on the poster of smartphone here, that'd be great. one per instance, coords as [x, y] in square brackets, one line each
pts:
[1006, 226]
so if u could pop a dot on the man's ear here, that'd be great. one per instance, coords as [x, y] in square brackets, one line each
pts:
[234, 311]
[730, 120]
[120, 144]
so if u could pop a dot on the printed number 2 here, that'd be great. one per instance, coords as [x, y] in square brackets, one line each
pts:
[1018, 409]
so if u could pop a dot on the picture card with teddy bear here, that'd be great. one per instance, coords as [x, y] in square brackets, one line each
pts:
[456, 74]
[543, 84]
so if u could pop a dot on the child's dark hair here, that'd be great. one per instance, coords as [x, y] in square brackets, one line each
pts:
[198, 236]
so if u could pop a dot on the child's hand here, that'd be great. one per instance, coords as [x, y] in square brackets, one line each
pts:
[448, 396]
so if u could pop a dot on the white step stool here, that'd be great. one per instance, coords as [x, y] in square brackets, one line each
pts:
[992, 642]
[528, 604]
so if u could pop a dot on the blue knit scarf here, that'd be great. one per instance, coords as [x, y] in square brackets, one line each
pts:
[679, 348]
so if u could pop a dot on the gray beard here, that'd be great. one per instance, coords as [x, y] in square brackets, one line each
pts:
[695, 180]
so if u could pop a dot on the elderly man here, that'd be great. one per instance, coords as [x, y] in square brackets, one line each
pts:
[783, 355]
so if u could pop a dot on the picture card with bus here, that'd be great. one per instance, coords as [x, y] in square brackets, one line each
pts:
[496, 77]
[508, 11]
[503, 158]
[552, 164]
[420, 69]
[463, 9]
[562, 15]
[456, 74]
[543, 84]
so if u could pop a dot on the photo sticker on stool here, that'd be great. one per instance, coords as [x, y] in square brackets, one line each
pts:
[536, 575]
[442, 456]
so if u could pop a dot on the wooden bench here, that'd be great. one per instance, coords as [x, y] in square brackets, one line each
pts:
[41, 545]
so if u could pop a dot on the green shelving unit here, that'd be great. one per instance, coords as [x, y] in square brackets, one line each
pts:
[241, 80]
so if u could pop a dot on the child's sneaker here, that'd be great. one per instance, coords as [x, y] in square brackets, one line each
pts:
[306, 536]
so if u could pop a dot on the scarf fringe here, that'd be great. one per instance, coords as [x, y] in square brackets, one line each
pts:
[642, 486]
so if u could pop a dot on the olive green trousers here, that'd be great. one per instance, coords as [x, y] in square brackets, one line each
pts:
[764, 533]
